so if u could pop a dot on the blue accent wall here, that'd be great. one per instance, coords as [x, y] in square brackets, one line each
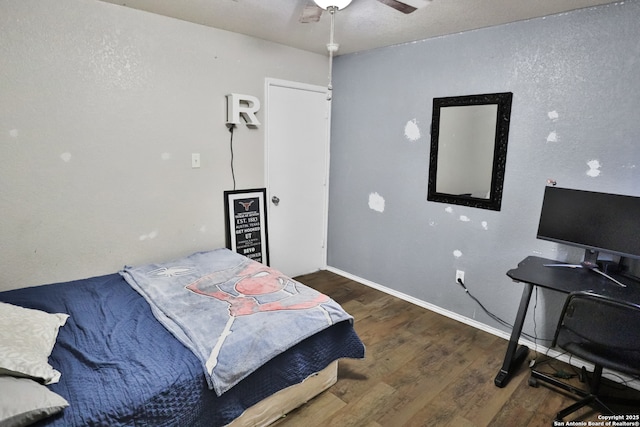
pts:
[575, 118]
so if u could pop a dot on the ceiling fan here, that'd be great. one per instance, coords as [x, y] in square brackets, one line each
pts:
[312, 10]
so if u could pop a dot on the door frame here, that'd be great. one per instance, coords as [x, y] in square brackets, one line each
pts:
[269, 82]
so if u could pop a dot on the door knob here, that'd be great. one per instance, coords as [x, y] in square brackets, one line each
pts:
[275, 200]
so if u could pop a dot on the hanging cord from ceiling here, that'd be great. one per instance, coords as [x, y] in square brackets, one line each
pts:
[232, 126]
[332, 47]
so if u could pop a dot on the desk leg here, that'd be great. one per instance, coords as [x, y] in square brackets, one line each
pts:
[514, 356]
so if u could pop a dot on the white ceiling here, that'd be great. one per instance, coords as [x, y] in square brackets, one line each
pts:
[363, 25]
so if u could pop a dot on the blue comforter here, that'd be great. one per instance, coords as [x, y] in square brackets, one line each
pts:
[235, 314]
[121, 367]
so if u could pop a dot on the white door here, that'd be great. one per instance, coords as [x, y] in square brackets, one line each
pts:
[297, 153]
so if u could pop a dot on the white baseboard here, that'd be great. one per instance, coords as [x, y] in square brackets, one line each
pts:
[550, 352]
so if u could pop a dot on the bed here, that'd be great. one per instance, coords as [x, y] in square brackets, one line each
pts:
[114, 363]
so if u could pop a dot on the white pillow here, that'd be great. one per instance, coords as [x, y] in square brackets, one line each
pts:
[24, 401]
[27, 337]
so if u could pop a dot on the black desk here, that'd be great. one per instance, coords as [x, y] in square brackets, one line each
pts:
[532, 272]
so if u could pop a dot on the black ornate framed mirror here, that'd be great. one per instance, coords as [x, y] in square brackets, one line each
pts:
[469, 136]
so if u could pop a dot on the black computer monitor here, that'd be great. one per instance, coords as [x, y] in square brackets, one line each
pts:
[597, 222]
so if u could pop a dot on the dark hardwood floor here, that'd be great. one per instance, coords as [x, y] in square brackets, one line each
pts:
[423, 369]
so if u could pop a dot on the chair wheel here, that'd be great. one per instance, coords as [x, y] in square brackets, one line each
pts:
[533, 382]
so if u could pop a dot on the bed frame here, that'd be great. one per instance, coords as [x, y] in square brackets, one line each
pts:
[286, 400]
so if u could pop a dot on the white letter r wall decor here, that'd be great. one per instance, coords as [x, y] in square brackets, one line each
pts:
[242, 105]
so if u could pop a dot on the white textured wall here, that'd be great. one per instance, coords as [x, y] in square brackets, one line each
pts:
[101, 107]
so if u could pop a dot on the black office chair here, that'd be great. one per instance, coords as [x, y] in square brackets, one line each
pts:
[603, 331]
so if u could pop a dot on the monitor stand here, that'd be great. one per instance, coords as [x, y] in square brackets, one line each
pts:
[591, 264]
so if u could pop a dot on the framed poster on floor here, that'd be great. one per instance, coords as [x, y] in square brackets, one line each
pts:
[245, 214]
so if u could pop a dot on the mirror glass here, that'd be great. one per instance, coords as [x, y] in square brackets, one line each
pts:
[469, 136]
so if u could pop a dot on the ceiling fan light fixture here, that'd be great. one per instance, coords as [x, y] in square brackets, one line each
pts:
[338, 4]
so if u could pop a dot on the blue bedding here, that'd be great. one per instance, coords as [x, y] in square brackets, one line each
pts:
[121, 367]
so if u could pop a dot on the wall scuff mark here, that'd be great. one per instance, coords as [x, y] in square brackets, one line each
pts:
[594, 168]
[149, 236]
[411, 130]
[376, 202]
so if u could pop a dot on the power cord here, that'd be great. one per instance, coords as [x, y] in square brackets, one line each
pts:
[494, 317]
[231, 127]
[556, 372]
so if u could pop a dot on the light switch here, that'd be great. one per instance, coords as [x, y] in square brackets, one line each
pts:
[195, 160]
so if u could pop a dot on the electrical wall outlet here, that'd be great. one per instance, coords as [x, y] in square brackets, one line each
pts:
[460, 275]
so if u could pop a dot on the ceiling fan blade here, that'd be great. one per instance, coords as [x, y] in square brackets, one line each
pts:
[404, 8]
[310, 13]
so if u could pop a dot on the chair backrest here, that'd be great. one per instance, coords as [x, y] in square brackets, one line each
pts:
[601, 330]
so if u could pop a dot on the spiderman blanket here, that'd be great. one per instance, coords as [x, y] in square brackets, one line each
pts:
[233, 313]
